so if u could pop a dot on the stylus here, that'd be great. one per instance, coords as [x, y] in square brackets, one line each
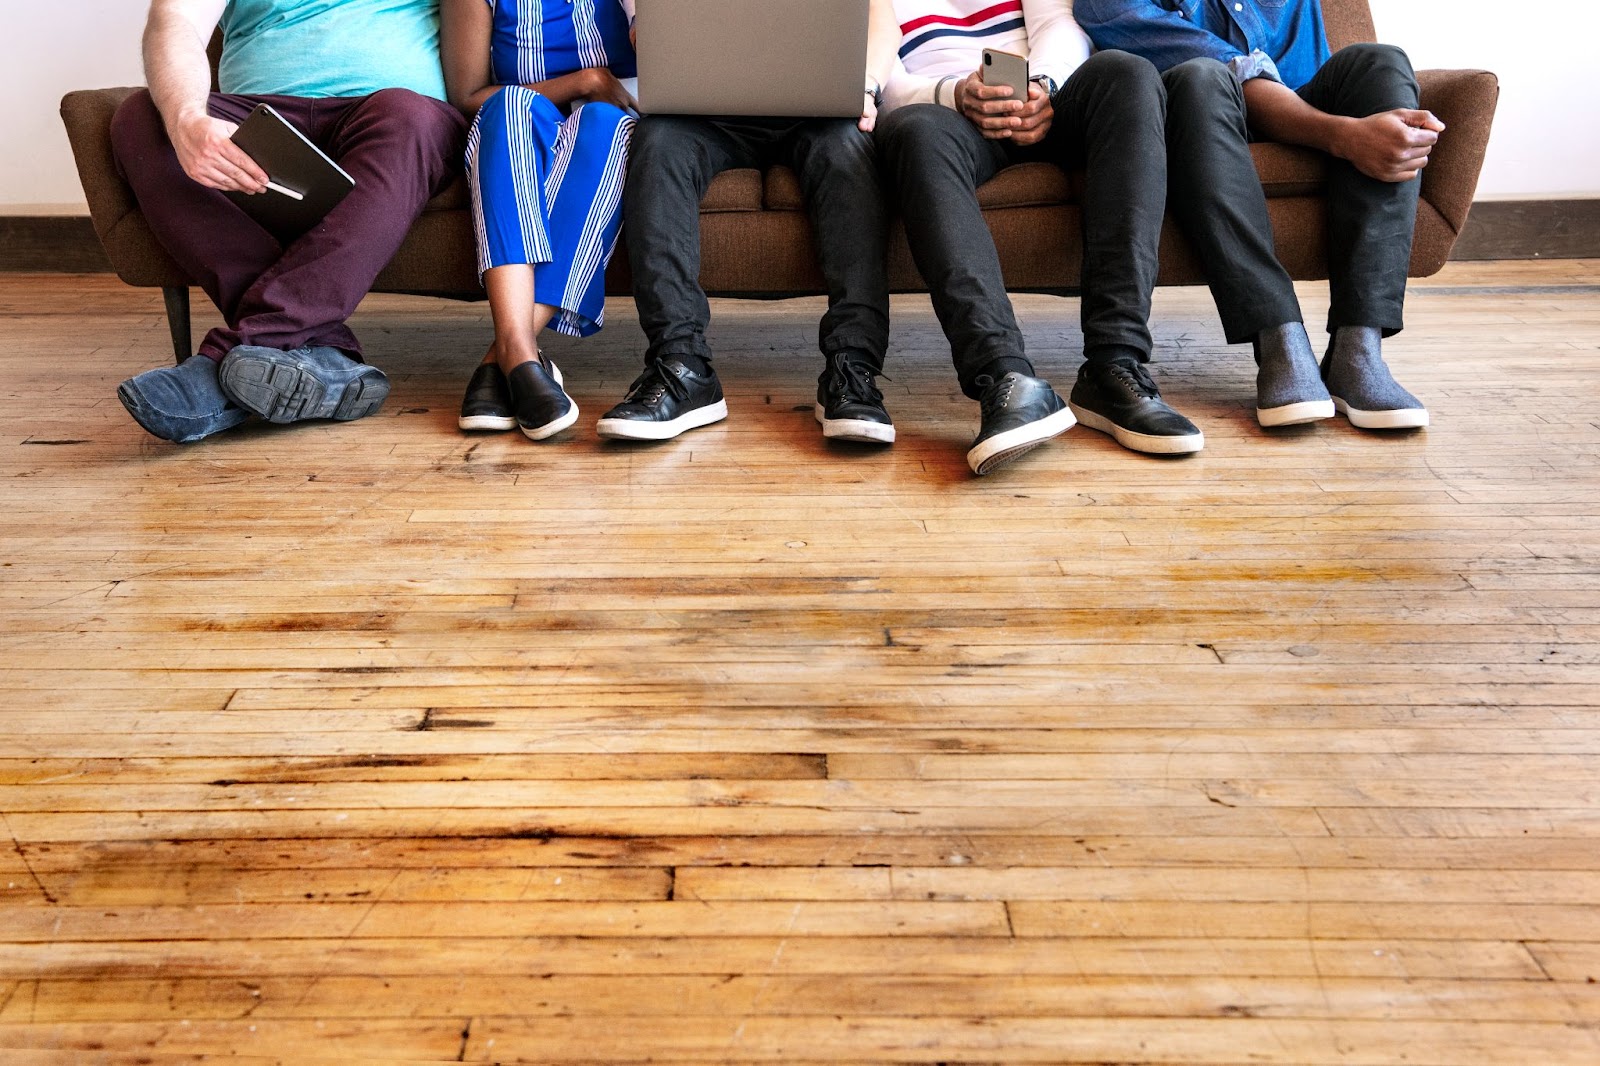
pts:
[290, 193]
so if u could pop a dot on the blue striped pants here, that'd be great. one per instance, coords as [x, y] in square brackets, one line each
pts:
[547, 191]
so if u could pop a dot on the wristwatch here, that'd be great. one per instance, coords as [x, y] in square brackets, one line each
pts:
[874, 90]
[1045, 82]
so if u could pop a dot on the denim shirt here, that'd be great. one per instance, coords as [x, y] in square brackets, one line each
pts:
[1279, 39]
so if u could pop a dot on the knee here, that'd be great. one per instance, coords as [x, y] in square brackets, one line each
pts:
[1385, 65]
[609, 116]
[1200, 79]
[1202, 88]
[661, 148]
[1127, 73]
[915, 130]
[843, 147]
[411, 115]
[135, 125]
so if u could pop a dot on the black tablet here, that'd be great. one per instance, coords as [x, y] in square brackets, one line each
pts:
[306, 184]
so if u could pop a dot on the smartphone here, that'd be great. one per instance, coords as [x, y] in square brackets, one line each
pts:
[1003, 68]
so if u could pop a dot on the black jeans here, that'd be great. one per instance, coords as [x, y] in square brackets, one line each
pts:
[1215, 194]
[672, 162]
[1110, 117]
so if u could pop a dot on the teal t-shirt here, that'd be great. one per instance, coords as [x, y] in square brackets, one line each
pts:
[323, 48]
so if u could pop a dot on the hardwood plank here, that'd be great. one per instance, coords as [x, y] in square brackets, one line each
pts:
[1125, 956]
[766, 995]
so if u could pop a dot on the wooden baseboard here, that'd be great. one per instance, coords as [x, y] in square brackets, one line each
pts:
[1531, 229]
[55, 243]
[1496, 229]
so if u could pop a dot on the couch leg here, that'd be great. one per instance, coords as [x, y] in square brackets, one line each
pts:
[177, 299]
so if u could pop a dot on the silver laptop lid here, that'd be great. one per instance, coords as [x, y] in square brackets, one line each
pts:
[798, 58]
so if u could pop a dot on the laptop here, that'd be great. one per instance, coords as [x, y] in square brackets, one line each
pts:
[785, 58]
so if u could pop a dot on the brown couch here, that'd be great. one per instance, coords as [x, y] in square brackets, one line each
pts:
[757, 242]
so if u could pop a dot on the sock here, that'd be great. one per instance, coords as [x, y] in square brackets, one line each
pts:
[1356, 373]
[1287, 369]
[1116, 353]
[1005, 364]
[697, 364]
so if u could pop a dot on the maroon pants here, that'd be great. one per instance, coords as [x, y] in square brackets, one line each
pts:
[400, 147]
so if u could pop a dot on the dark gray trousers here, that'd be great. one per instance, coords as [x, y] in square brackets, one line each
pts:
[1109, 117]
[1215, 194]
[672, 163]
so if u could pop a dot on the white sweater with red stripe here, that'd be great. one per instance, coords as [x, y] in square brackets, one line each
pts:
[943, 40]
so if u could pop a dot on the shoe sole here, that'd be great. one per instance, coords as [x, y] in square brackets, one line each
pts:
[550, 429]
[500, 423]
[1403, 418]
[1002, 448]
[283, 392]
[854, 429]
[629, 429]
[485, 423]
[1294, 414]
[1148, 443]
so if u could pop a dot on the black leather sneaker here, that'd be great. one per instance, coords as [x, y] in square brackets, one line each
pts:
[664, 401]
[1121, 399]
[1019, 414]
[487, 404]
[849, 405]
[541, 406]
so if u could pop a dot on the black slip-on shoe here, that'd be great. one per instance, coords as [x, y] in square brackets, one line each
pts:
[664, 401]
[538, 400]
[1121, 399]
[1019, 413]
[486, 407]
[849, 405]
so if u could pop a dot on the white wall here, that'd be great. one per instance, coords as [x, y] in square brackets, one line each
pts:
[1546, 140]
[47, 49]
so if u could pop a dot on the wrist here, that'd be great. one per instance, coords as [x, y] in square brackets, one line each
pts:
[1335, 133]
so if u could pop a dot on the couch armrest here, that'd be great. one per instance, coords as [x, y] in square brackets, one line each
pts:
[87, 116]
[1464, 100]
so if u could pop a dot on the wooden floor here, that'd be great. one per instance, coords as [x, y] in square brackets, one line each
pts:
[377, 742]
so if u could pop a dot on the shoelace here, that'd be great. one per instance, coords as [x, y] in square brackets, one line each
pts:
[997, 400]
[1138, 379]
[852, 382]
[649, 387]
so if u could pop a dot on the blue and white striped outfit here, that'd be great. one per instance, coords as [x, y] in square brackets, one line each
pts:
[547, 188]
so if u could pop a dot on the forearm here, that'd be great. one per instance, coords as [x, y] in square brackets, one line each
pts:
[175, 62]
[1278, 114]
[883, 41]
[1057, 45]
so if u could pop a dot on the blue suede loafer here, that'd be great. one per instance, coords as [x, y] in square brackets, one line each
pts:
[302, 383]
[182, 403]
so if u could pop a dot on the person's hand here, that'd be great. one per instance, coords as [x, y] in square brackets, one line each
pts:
[1036, 116]
[210, 158]
[602, 86]
[988, 107]
[869, 114]
[1391, 145]
[633, 35]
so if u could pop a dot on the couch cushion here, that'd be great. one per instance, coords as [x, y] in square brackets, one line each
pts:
[1289, 171]
[455, 197]
[735, 190]
[1284, 170]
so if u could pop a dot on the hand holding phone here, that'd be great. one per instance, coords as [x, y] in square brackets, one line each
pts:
[1008, 70]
